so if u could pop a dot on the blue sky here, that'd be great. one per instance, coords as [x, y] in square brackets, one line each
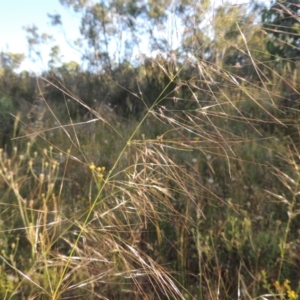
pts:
[14, 14]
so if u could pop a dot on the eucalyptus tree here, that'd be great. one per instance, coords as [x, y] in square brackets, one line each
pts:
[282, 23]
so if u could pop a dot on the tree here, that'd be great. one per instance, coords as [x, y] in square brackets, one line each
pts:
[35, 41]
[12, 61]
[281, 22]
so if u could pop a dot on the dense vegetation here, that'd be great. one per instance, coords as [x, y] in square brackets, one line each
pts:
[175, 176]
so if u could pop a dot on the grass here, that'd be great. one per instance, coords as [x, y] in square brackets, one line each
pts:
[196, 199]
[184, 215]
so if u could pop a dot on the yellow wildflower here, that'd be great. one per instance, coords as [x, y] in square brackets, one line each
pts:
[287, 284]
[92, 166]
[292, 295]
[278, 287]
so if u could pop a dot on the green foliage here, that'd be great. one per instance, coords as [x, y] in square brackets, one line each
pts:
[282, 24]
[6, 120]
[10, 60]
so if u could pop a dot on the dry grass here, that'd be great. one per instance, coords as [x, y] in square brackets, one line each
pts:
[196, 200]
